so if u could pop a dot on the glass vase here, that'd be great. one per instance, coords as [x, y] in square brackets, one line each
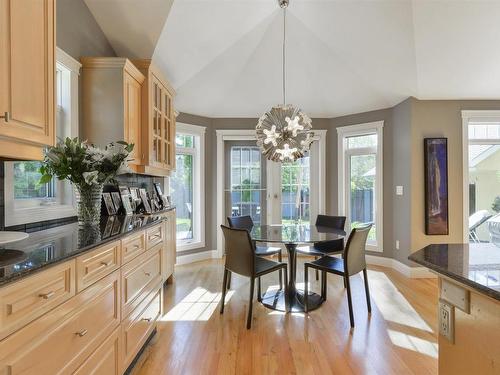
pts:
[88, 204]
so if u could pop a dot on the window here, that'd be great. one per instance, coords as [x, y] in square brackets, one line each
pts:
[360, 178]
[187, 184]
[484, 182]
[26, 200]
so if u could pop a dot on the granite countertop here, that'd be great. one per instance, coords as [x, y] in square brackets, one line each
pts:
[476, 265]
[51, 246]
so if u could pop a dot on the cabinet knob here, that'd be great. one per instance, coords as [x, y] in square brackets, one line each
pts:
[47, 295]
[5, 116]
[81, 333]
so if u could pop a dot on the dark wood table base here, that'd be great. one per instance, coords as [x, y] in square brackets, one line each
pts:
[275, 300]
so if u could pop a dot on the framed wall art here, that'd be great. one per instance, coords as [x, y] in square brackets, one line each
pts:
[436, 186]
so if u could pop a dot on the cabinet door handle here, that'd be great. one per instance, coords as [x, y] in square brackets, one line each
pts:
[147, 273]
[47, 295]
[146, 319]
[6, 116]
[81, 333]
[105, 264]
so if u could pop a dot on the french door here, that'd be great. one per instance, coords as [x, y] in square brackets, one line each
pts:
[270, 192]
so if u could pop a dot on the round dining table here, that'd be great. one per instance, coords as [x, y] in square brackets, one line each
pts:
[293, 235]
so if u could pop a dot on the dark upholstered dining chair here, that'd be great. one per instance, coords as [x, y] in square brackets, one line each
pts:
[352, 263]
[323, 248]
[241, 259]
[246, 222]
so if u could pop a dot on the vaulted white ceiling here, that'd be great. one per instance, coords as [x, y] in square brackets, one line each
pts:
[346, 56]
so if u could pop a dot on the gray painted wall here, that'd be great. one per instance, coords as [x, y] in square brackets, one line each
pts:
[78, 33]
[331, 165]
[400, 163]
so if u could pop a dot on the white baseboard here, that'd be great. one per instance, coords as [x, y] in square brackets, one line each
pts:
[196, 257]
[411, 272]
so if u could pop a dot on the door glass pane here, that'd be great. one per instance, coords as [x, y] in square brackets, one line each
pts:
[295, 190]
[181, 189]
[245, 184]
[362, 198]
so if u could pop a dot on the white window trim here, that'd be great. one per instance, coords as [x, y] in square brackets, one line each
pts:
[17, 214]
[249, 135]
[343, 133]
[472, 116]
[198, 185]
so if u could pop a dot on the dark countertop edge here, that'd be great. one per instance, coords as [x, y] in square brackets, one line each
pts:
[483, 289]
[32, 271]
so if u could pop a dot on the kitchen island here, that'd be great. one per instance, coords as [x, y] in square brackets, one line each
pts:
[469, 305]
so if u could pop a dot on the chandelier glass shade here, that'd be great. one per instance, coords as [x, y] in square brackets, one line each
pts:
[284, 132]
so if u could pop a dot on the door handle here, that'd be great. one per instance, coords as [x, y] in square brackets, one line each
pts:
[6, 116]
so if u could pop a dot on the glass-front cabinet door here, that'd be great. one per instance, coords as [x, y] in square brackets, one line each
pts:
[163, 132]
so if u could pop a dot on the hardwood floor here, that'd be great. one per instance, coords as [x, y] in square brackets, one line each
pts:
[193, 338]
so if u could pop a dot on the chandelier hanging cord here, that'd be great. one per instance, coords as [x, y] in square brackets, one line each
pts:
[284, 52]
[284, 133]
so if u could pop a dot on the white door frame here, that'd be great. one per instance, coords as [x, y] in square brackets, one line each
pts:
[375, 127]
[480, 116]
[248, 135]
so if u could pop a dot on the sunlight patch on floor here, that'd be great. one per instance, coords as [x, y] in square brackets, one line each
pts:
[199, 305]
[392, 304]
[413, 343]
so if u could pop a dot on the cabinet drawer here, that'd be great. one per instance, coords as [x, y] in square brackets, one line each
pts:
[132, 246]
[155, 235]
[96, 264]
[138, 277]
[59, 342]
[138, 326]
[28, 299]
[106, 358]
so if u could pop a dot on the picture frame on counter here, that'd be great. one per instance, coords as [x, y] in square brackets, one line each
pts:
[145, 201]
[108, 203]
[117, 200]
[126, 200]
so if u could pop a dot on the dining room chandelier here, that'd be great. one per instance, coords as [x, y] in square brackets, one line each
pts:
[284, 132]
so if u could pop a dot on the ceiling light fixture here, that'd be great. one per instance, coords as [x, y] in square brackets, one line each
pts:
[284, 133]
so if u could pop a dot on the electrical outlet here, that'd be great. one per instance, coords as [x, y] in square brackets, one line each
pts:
[446, 321]
[397, 244]
[399, 190]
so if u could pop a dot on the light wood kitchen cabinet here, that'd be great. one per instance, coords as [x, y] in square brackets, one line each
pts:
[27, 68]
[137, 327]
[28, 299]
[106, 359]
[112, 103]
[59, 342]
[138, 277]
[91, 314]
[170, 252]
[96, 264]
[158, 131]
